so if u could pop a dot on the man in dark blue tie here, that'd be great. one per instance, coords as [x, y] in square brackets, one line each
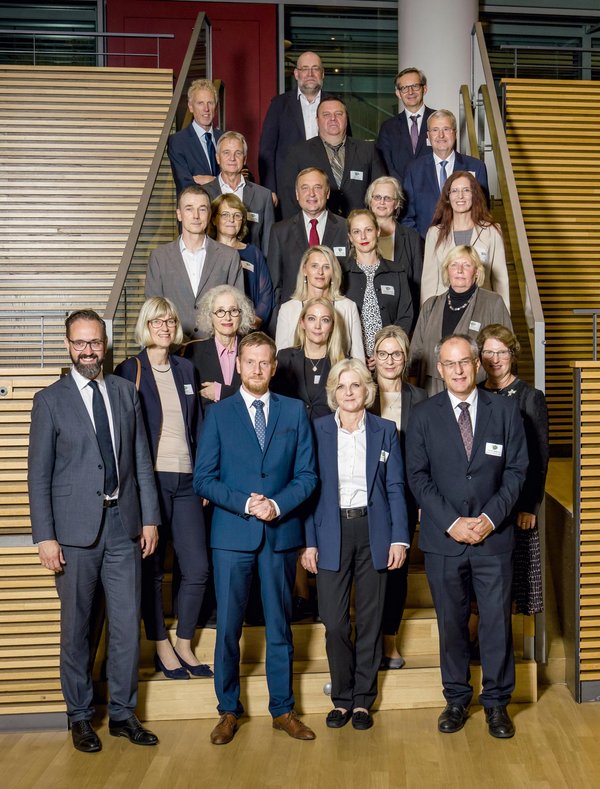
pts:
[255, 463]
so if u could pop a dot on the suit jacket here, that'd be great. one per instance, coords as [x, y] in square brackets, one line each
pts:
[167, 276]
[422, 187]
[408, 253]
[282, 127]
[448, 486]
[386, 508]
[484, 308]
[66, 470]
[290, 381]
[186, 384]
[289, 242]
[395, 145]
[203, 355]
[362, 165]
[258, 201]
[230, 465]
[187, 156]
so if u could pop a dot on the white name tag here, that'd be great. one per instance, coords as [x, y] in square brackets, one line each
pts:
[316, 379]
[252, 217]
[387, 290]
[493, 449]
[483, 254]
[428, 141]
[474, 326]
[473, 173]
[247, 265]
[384, 456]
[188, 389]
[339, 252]
[356, 175]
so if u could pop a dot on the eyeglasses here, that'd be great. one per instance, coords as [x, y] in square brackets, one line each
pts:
[227, 216]
[456, 190]
[309, 69]
[414, 87]
[384, 199]
[383, 356]
[81, 345]
[459, 363]
[234, 312]
[504, 354]
[158, 323]
[441, 129]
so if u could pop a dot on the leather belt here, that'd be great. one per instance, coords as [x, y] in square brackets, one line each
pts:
[353, 512]
[108, 503]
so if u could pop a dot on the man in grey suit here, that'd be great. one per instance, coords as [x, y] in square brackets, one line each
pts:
[232, 150]
[185, 269]
[91, 487]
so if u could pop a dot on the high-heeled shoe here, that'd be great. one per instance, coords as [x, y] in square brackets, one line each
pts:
[201, 670]
[170, 673]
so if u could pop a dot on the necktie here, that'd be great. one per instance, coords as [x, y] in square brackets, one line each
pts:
[111, 480]
[337, 165]
[466, 428]
[260, 424]
[443, 174]
[313, 236]
[414, 132]
[212, 157]
[370, 313]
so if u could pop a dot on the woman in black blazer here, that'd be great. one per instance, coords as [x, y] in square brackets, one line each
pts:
[168, 390]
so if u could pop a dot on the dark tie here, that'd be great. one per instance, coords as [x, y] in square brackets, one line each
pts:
[212, 157]
[313, 236]
[111, 480]
[466, 428]
[260, 424]
[443, 174]
[337, 166]
[414, 132]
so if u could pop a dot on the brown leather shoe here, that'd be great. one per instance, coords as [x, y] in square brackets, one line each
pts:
[292, 725]
[224, 730]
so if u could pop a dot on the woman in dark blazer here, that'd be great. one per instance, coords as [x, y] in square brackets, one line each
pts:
[225, 314]
[168, 390]
[394, 400]
[358, 531]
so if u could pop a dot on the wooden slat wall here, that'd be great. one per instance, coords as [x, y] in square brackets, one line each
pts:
[552, 132]
[75, 148]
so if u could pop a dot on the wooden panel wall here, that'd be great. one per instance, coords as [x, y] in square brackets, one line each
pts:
[552, 132]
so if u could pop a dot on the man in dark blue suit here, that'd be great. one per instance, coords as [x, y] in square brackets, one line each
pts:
[466, 460]
[192, 150]
[426, 175]
[255, 462]
[403, 138]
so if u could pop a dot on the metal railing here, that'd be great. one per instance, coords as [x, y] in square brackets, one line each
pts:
[556, 62]
[28, 341]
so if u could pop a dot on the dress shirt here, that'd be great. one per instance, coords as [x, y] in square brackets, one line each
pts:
[227, 358]
[420, 112]
[352, 465]
[449, 168]
[309, 114]
[201, 132]
[227, 190]
[321, 223]
[248, 400]
[194, 263]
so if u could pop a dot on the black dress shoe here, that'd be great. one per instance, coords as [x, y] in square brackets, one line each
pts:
[201, 670]
[338, 718]
[170, 673]
[85, 738]
[452, 718]
[133, 730]
[499, 722]
[361, 720]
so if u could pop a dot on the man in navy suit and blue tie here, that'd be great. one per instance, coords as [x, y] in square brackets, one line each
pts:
[427, 174]
[255, 463]
[466, 461]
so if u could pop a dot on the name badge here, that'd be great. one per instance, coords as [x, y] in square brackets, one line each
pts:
[252, 217]
[387, 290]
[428, 142]
[473, 173]
[483, 254]
[356, 175]
[247, 265]
[384, 456]
[339, 252]
[474, 326]
[317, 379]
[493, 449]
[188, 389]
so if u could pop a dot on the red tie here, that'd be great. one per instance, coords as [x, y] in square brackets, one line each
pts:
[313, 236]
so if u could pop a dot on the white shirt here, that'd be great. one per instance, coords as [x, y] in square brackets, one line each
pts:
[321, 224]
[449, 166]
[352, 465]
[420, 112]
[201, 136]
[309, 114]
[194, 262]
[227, 190]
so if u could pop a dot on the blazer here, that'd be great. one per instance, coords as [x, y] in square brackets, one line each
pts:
[447, 485]
[167, 276]
[258, 202]
[230, 465]
[187, 156]
[186, 384]
[422, 187]
[391, 289]
[203, 355]
[386, 508]
[484, 308]
[408, 253]
[488, 242]
[362, 165]
[290, 381]
[66, 470]
[395, 145]
[287, 244]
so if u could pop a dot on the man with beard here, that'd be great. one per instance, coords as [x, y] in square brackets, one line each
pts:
[91, 487]
[255, 462]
